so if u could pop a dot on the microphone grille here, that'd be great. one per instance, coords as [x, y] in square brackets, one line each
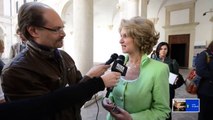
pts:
[114, 56]
[121, 59]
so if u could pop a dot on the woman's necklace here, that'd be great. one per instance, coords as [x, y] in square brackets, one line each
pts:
[133, 70]
[133, 65]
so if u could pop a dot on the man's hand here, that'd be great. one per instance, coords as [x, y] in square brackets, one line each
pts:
[2, 101]
[110, 79]
[97, 70]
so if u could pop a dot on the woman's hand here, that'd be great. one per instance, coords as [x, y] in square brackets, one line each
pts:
[115, 111]
[107, 104]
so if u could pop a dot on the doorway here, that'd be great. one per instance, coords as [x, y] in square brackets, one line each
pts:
[179, 45]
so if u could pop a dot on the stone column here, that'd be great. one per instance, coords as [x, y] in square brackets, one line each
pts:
[143, 8]
[83, 34]
[132, 8]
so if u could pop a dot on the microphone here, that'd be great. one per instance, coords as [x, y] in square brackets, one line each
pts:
[118, 66]
[112, 58]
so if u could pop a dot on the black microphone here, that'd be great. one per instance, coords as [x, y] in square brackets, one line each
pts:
[112, 58]
[118, 66]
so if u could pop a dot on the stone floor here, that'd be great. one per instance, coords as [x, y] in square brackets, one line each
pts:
[90, 112]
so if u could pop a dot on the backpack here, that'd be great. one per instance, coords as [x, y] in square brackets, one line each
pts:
[192, 80]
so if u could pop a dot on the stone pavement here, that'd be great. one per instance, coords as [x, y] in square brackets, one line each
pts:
[90, 112]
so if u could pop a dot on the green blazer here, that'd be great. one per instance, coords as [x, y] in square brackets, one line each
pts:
[147, 98]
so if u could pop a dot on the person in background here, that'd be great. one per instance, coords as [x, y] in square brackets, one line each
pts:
[2, 99]
[162, 54]
[1, 52]
[153, 54]
[1, 67]
[19, 46]
[204, 69]
[144, 91]
[42, 68]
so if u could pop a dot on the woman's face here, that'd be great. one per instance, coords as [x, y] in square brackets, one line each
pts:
[163, 51]
[127, 42]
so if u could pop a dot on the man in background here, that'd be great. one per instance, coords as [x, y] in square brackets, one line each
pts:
[19, 46]
[1, 67]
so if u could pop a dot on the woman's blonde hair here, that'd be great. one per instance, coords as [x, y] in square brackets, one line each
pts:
[142, 31]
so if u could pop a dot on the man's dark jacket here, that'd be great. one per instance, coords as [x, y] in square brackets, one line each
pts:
[38, 70]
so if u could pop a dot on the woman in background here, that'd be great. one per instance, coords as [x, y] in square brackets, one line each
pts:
[162, 54]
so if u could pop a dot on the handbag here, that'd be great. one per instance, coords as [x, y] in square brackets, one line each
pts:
[179, 82]
[192, 82]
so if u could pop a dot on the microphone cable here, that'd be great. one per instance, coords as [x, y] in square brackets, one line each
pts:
[108, 62]
[96, 101]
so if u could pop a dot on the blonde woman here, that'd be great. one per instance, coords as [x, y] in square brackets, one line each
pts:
[144, 91]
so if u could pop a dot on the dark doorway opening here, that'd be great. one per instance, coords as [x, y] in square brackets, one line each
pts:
[179, 49]
[177, 53]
